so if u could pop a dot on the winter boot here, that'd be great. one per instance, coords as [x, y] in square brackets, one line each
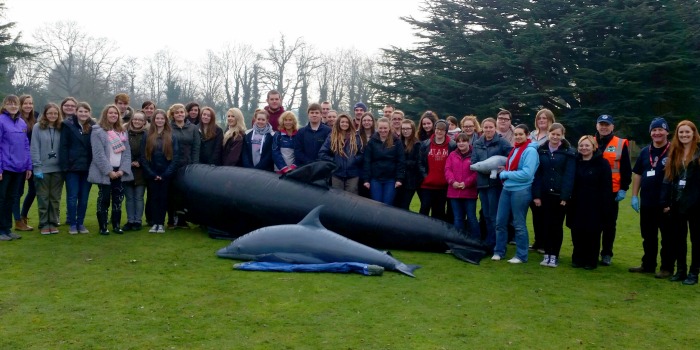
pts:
[102, 221]
[20, 225]
[116, 222]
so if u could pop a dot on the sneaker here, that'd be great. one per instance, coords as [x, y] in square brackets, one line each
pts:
[161, 229]
[545, 261]
[46, 231]
[14, 235]
[82, 229]
[606, 260]
[136, 226]
[691, 280]
[515, 260]
[496, 257]
[4, 237]
[663, 274]
[553, 261]
[53, 230]
[154, 229]
[73, 230]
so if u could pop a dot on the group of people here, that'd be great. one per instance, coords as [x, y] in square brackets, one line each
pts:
[126, 152]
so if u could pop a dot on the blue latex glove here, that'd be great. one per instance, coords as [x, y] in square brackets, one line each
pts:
[39, 175]
[635, 203]
[620, 195]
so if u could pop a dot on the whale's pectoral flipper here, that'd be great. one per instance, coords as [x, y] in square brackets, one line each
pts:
[466, 253]
[494, 174]
[317, 173]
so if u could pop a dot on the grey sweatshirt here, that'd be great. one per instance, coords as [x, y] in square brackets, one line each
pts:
[44, 156]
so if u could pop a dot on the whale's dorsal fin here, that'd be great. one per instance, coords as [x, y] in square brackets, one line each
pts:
[317, 173]
[312, 218]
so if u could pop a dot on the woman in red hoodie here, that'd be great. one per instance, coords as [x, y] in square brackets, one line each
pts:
[461, 189]
[433, 157]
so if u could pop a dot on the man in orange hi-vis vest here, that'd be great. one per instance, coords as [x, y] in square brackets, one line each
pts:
[616, 151]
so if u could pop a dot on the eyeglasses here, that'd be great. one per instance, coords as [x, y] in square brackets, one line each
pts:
[503, 118]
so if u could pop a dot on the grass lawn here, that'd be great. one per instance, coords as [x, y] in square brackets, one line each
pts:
[170, 291]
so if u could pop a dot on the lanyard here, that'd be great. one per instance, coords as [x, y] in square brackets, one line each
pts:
[652, 162]
[52, 131]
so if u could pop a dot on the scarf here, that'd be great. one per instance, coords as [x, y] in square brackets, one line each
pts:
[518, 150]
[260, 133]
[116, 141]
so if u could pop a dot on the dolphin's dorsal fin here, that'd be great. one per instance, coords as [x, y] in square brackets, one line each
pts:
[312, 218]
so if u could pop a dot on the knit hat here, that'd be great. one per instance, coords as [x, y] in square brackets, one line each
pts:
[605, 118]
[360, 105]
[441, 122]
[658, 122]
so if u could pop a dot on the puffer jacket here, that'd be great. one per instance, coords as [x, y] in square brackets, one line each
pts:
[190, 141]
[482, 150]
[15, 155]
[555, 175]
[382, 163]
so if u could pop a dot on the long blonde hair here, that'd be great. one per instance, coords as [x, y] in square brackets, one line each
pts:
[239, 129]
[338, 137]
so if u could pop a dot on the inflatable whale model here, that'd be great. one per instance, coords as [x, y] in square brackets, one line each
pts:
[238, 200]
[489, 165]
[307, 242]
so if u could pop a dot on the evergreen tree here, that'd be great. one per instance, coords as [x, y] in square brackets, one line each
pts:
[633, 59]
[10, 49]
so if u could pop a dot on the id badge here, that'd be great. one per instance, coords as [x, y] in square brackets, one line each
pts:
[681, 183]
[651, 173]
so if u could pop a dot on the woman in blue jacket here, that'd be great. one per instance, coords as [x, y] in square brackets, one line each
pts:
[517, 176]
[384, 163]
[283, 143]
[554, 183]
[344, 148]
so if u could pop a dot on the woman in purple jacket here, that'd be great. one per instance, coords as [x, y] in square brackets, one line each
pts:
[15, 162]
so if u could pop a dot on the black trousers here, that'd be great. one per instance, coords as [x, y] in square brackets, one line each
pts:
[553, 224]
[681, 223]
[9, 190]
[651, 221]
[539, 217]
[403, 197]
[610, 226]
[586, 246]
[113, 192]
[434, 202]
[158, 195]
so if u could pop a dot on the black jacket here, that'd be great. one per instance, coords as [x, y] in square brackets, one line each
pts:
[266, 162]
[413, 177]
[683, 198]
[135, 141]
[555, 175]
[75, 151]
[591, 197]
[210, 150]
[159, 165]
[383, 163]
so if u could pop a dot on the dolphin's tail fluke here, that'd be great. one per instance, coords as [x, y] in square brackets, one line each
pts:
[466, 253]
[407, 269]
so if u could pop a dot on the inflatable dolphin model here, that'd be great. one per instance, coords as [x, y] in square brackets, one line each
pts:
[307, 242]
[238, 200]
[489, 165]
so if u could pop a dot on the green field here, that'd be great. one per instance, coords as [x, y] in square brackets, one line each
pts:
[170, 291]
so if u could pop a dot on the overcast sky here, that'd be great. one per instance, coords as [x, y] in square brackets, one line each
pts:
[189, 27]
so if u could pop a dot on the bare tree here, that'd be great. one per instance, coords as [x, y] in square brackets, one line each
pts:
[236, 61]
[306, 62]
[211, 80]
[280, 57]
[125, 77]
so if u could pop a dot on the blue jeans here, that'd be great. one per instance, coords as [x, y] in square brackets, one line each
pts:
[77, 194]
[462, 207]
[134, 201]
[383, 191]
[517, 203]
[489, 205]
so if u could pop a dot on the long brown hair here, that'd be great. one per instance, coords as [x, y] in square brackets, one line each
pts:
[676, 152]
[152, 137]
[86, 125]
[409, 142]
[361, 130]
[338, 137]
[44, 121]
[208, 131]
[30, 119]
